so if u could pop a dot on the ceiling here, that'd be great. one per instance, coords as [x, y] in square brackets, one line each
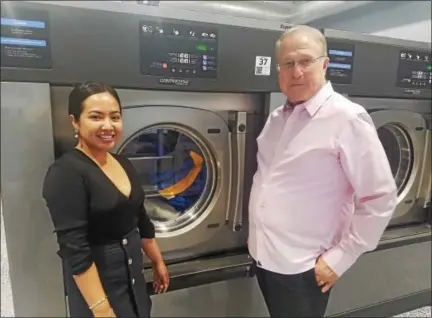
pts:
[294, 12]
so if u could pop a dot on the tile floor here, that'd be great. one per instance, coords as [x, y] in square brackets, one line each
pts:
[420, 312]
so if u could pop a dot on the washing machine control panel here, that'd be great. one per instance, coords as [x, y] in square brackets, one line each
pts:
[341, 65]
[414, 70]
[178, 50]
[25, 40]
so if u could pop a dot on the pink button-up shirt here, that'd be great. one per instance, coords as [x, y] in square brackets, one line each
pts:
[323, 186]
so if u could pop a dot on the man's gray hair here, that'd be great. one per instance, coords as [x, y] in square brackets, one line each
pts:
[315, 34]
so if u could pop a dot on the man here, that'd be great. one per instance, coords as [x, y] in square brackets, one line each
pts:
[323, 192]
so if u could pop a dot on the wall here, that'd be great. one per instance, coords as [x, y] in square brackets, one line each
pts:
[399, 19]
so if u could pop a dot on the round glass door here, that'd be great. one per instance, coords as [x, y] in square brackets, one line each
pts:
[398, 147]
[177, 173]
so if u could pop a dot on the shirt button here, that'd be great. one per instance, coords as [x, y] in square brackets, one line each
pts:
[130, 261]
[124, 241]
[133, 281]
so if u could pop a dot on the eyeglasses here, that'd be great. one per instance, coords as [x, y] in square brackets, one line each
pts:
[302, 64]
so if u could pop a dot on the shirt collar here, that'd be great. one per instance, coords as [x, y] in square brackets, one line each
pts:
[314, 103]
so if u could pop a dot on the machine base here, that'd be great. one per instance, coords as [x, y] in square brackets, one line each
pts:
[393, 279]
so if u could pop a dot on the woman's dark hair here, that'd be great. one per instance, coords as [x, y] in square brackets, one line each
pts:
[82, 91]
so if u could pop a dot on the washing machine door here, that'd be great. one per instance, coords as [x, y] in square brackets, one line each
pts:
[403, 135]
[179, 154]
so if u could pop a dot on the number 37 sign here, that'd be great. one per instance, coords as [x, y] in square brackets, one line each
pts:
[262, 65]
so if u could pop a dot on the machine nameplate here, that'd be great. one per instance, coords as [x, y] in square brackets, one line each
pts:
[174, 81]
[412, 91]
[25, 41]
[178, 50]
[285, 27]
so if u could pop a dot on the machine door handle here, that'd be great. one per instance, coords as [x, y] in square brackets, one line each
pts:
[238, 144]
[424, 191]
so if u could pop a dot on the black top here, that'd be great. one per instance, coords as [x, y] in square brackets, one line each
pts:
[88, 209]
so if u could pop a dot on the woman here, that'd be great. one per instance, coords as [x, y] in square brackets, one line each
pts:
[96, 204]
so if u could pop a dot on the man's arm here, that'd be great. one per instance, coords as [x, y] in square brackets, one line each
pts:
[367, 168]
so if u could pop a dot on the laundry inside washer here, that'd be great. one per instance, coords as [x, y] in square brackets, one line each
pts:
[172, 172]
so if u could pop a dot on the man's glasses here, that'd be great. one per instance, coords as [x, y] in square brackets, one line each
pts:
[301, 64]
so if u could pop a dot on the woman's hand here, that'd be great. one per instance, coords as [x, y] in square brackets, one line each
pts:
[105, 311]
[160, 278]
[160, 272]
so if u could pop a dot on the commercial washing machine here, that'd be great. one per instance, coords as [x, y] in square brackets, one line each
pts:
[403, 129]
[392, 79]
[190, 151]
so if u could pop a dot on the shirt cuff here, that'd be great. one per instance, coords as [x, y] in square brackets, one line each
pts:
[338, 260]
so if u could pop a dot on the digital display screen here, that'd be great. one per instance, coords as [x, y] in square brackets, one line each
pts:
[340, 68]
[175, 50]
[415, 70]
[25, 39]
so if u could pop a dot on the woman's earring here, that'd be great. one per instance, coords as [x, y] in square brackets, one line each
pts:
[76, 133]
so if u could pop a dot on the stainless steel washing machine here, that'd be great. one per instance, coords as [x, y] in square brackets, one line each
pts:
[391, 78]
[403, 129]
[189, 150]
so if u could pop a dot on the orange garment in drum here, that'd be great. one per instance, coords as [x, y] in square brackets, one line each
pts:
[181, 186]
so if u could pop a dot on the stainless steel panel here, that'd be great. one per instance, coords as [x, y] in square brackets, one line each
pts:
[276, 100]
[362, 37]
[376, 277]
[384, 69]
[238, 48]
[26, 153]
[215, 102]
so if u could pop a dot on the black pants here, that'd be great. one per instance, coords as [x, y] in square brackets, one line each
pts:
[292, 295]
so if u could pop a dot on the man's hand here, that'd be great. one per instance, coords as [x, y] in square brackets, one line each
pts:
[324, 275]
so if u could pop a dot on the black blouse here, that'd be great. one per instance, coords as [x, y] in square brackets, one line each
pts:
[88, 209]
